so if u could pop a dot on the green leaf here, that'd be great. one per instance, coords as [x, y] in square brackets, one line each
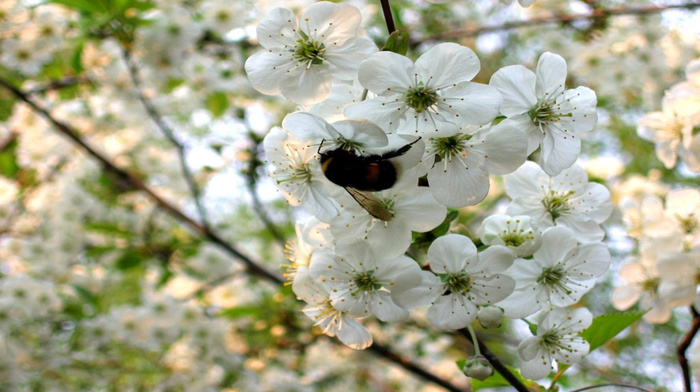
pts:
[129, 259]
[76, 60]
[607, 326]
[241, 311]
[217, 103]
[497, 380]
[444, 227]
[8, 161]
[109, 228]
[85, 294]
[533, 328]
[87, 6]
[397, 43]
[6, 105]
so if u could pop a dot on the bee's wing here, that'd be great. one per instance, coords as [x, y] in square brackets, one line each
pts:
[371, 204]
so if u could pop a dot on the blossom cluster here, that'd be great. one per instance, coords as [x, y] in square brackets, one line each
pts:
[674, 129]
[384, 145]
[662, 275]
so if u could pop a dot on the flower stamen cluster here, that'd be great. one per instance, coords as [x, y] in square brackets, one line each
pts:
[557, 203]
[421, 97]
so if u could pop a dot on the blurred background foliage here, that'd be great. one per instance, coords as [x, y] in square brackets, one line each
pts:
[103, 288]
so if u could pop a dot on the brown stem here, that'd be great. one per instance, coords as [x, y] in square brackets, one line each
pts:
[565, 18]
[251, 183]
[683, 347]
[411, 367]
[136, 183]
[612, 384]
[58, 84]
[386, 9]
[496, 363]
[167, 131]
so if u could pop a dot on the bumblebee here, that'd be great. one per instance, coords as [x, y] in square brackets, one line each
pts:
[359, 174]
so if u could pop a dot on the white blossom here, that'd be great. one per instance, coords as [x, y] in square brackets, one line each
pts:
[559, 274]
[550, 115]
[641, 277]
[460, 280]
[298, 175]
[567, 199]
[517, 233]
[359, 279]
[413, 209]
[557, 339]
[673, 136]
[332, 321]
[301, 59]
[428, 98]
[460, 177]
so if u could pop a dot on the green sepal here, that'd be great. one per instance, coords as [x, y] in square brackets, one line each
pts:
[397, 43]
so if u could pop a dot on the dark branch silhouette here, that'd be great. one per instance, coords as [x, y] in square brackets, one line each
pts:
[495, 362]
[683, 347]
[555, 19]
[167, 131]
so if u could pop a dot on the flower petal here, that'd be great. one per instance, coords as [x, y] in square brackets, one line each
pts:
[447, 64]
[517, 86]
[449, 253]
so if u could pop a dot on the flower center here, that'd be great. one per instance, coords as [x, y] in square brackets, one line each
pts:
[365, 281]
[557, 204]
[513, 239]
[222, 16]
[421, 97]
[688, 223]
[450, 147]
[297, 170]
[23, 55]
[308, 51]
[546, 112]
[551, 339]
[553, 277]
[651, 284]
[459, 283]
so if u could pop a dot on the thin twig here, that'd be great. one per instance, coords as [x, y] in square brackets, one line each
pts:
[683, 347]
[167, 131]
[612, 384]
[136, 183]
[411, 367]
[251, 265]
[496, 363]
[251, 182]
[552, 19]
[58, 84]
[386, 9]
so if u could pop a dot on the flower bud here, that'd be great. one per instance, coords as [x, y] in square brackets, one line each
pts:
[478, 367]
[490, 316]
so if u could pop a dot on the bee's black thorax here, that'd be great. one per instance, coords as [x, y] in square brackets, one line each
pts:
[364, 173]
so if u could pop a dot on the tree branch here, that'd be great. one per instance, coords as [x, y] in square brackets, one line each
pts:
[683, 347]
[495, 362]
[554, 19]
[251, 182]
[386, 9]
[136, 183]
[167, 131]
[58, 84]
[251, 265]
[411, 367]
